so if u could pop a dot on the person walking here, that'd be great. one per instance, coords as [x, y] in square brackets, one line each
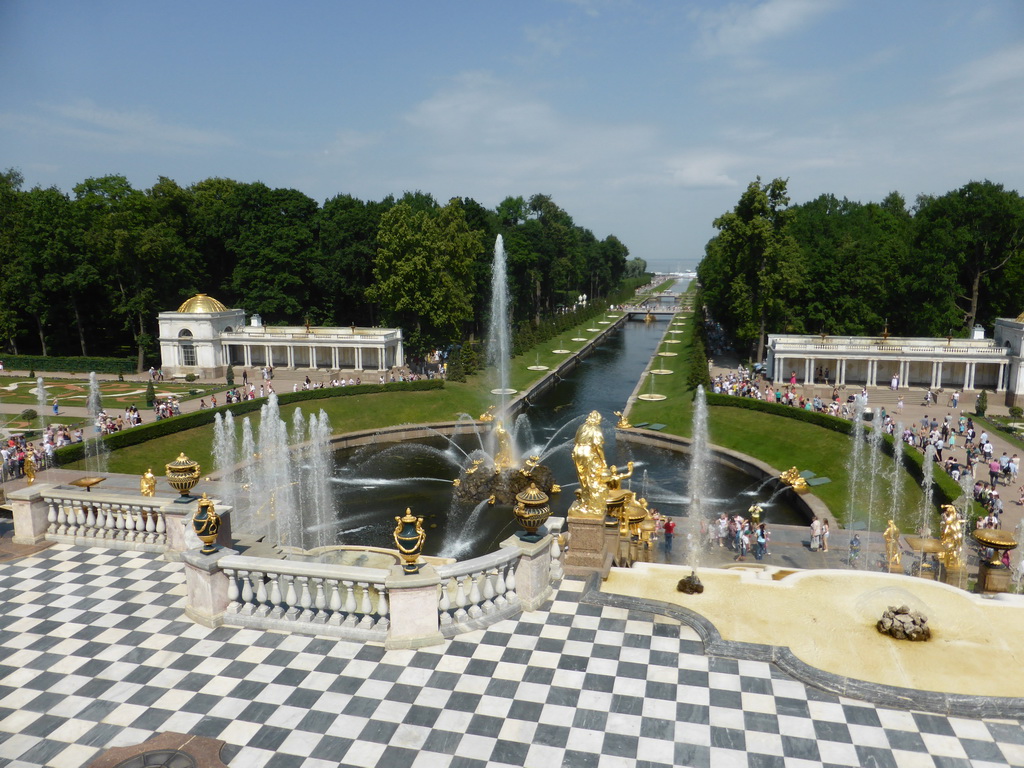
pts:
[815, 533]
[669, 530]
[56, 406]
[824, 535]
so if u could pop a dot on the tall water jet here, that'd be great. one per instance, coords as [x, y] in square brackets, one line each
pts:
[875, 464]
[225, 455]
[317, 496]
[244, 520]
[896, 476]
[927, 508]
[273, 491]
[41, 402]
[698, 481]
[856, 460]
[498, 331]
[96, 451]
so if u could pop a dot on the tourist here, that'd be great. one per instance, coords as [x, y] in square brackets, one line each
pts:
[668, 530]
[993, 473]
[899, 405]
[854, 550]
[202, 404]
[56, 407]
[815, 533]
[761, 542]
[824, 535]
[723, 525]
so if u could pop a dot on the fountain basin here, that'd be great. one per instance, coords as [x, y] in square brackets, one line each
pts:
[827, 619]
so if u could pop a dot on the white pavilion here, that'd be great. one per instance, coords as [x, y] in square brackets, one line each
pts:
[203, 337]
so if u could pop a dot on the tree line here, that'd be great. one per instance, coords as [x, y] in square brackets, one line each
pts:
[840, 267]
[86, 273]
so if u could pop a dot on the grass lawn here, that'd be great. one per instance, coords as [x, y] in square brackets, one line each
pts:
[112, 393]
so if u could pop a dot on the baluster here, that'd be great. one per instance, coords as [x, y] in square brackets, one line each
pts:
[247, 605]
[306, 600]
[129, 524]
[89, 522]
[319, 601]
[119, 523]
[51, 516]
[233, 605]
[161, 527]
[350, 603]
[276, 609]
[291, 598]
[510, 583]
[475, 611]
[488, 591]
[383, 609]
[499, 586]
[79, 515]
[62, 517]
[150, 526]
[460, 601]
[335, 601]
[108, 521]
[262, 609]
[366, 608]
[444, 604]
[556, 559]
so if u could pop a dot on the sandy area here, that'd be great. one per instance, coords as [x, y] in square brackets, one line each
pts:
[827, 618]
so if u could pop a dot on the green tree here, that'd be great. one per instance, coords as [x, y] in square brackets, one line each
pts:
[752, 266]
[423, 273]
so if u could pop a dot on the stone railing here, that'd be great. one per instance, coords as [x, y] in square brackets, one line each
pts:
[47, 512]
[904, 346]
[334, 600]
[383, 605]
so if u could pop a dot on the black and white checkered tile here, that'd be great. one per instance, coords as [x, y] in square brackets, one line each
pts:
[95, 653]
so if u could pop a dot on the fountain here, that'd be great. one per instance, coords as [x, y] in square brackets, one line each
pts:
[97, 454]
[41, 402]
[498, 351]
[699, 475]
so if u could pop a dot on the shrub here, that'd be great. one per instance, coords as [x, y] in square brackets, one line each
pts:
[230, 376]
[32, 373]
[150, 394]
[190, 377]
[982, 404]
[1016, 412]
[29, 414]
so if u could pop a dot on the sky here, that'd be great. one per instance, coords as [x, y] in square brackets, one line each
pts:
[645, 119]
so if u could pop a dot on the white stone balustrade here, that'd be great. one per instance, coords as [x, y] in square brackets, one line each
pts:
[105, 519]
[313, 598]
[479, 592]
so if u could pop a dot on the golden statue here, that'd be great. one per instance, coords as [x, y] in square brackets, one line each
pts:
[952, 537]
[792, 478]
[147, 483]
[613, 479]
[30, 466]
[529, 465]
[623, 422]
[503, 453]
[755, 510]
[487, 415]
[588, 456]
[893, 554]
[475, 466]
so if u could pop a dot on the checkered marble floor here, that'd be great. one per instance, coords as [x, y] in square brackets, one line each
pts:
[95, 653]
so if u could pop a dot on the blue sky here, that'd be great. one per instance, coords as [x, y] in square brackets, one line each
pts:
[642, 119]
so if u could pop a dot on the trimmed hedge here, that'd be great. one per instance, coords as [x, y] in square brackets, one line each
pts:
[946, 488]
[135, 435]
[69, 364]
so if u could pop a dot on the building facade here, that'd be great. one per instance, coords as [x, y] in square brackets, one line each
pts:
[204, 337]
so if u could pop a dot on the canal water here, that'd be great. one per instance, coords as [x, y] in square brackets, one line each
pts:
[376, 483]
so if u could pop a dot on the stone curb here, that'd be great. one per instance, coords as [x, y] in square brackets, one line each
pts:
[895, 697]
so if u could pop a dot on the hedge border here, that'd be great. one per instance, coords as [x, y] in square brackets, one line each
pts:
[69, 364]
[141, 434]
[946, 488]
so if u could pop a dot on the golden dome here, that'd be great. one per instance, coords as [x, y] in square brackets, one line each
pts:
[201, 304]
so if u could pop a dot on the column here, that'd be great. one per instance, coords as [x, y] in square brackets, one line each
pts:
[291, 356]
[380, 357]
[312, 357]
[808, 372]
[247, 355]
[1001, 383]
[335, 363]
[841, 373]
[268, 356]
[779, 371]
[935, 368]
[400, 354]
[359, 358]
[968, 366]
[974, 370]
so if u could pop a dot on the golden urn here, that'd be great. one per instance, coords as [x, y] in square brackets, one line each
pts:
[532, 511]
[206, 524]
[409, 537]
[182, 475]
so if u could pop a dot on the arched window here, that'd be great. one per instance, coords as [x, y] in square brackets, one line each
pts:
[188, 350]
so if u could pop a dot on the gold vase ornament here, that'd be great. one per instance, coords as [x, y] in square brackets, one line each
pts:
[409, 538]
[182, 475]
[206, 524]
[532, 511]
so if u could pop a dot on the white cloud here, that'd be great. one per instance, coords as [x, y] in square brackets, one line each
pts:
[87, 124]
[702, 168]
[738, 27]
[1004, 68]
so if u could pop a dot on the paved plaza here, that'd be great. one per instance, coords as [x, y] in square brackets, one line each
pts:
[95, 652]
